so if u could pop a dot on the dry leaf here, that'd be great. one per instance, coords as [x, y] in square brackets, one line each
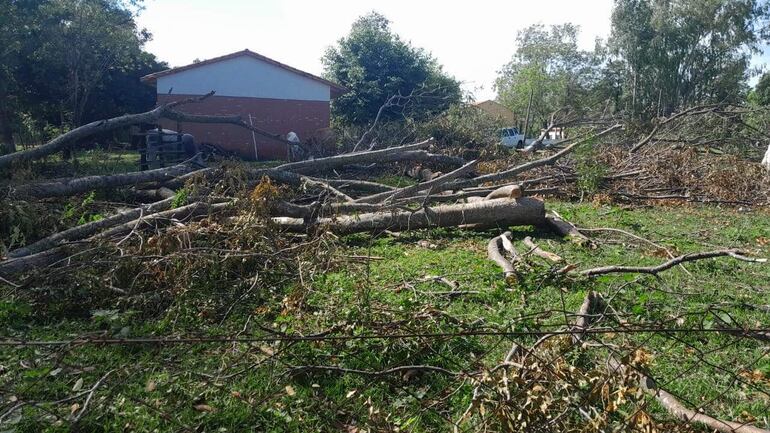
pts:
[350, 393]
[203, 408]
[78, 385]
[74, 408]
[151, 385]
[290, 391]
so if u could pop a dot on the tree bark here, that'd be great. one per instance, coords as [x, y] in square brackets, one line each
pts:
[486, 213]
[100, 126]
[79, 185]
[7, 143]
[89, 229]
[353, 158]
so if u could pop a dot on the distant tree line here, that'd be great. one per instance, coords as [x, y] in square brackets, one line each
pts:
[64, 63]
[661, 56]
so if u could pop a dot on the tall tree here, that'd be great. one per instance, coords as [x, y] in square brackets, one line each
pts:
[375, 64]
[680, 53]
[67, 62]
[549, 66]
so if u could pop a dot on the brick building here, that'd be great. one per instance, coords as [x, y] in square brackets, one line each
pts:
[272, 96]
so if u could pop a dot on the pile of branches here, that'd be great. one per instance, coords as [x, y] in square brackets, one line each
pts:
[704, 154]
[320, 200]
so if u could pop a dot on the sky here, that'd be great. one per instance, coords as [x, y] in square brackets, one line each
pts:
[471, 39]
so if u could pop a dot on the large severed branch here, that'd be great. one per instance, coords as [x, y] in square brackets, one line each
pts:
[512, 172]
[98, 127]
[79, 185]
[86, 230]
[352, 158]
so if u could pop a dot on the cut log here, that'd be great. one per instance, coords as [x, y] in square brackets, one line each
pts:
[508, 191]
[501, 213]
[494, 247]
[564, 228]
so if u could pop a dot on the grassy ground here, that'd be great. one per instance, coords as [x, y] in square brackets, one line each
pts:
[378, 285]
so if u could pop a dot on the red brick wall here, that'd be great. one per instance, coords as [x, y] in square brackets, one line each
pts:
[278, 116]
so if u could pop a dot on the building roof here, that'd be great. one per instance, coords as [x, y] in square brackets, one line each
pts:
[335, 88]
[496, 109]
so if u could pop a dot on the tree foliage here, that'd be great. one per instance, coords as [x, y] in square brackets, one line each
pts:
[548, 65]
[68, 62]
[374, 63]
[673, 54]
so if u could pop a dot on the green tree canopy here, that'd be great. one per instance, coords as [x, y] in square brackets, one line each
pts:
[761, 93]
[681, 53]
[375, 64]
[548, 65]
[68, 62]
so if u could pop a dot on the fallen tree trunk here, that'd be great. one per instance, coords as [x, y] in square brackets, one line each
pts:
[79, 185]
[486, 213]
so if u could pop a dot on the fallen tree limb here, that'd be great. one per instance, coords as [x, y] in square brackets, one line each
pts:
[587, 314]
[352, 158]
[79, 185]
[567, 229]
[406, 369]
[325, 186]
[536, 250]
[406, 191]
[680, 411]
[93, 128]
[490, 213]
[506, 174]
[86, 230]
[360, 185]
[654, 270]
[163, 218]
[48, 257]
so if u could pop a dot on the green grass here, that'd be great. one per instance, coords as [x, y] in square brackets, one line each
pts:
[247, 387]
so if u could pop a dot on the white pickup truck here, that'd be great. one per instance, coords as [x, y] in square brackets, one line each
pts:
[512, 138]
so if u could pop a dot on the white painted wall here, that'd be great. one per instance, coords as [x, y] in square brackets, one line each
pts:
[244, 76]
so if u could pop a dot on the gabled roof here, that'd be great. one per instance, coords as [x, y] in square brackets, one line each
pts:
[336, 89]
